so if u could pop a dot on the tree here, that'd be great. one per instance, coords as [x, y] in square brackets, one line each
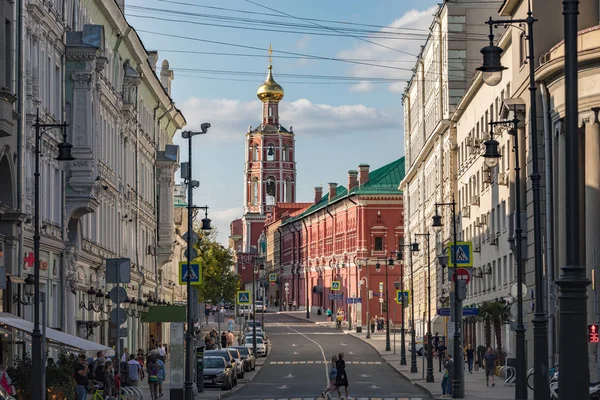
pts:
[496, 313]
[219, 281]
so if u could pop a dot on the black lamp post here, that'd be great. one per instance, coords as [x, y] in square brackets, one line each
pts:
[257, 261]
[573, 351]
[429, 377]
[492, 66]
[188, 386]
[38, 370]
[457, 371]
[390, 263]
[413, 344]
[491, 157]
[413, 248]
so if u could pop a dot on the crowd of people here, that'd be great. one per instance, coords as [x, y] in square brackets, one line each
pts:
[213, 341]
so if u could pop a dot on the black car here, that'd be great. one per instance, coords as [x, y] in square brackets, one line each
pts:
[247, 357]
[218, 372]
[228, 357]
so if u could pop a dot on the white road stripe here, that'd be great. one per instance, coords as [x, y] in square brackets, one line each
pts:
[322, 353]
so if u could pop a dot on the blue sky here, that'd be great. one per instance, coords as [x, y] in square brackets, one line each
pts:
[338, 123]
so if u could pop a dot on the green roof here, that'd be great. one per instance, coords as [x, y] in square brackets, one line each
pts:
[384, 180]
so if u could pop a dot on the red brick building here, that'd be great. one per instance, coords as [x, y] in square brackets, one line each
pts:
[341, 237]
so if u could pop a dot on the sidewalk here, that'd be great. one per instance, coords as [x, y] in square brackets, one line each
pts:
[475, 387]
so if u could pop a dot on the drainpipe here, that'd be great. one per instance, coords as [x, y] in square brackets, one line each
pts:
[156, 201]
[279, 272]
[20, 167]
[306, 269]
[551, 290]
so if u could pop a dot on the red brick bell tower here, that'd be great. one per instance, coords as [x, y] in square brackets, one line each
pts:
[270, 169]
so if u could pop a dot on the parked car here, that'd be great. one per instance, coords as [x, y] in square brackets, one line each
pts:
[239, 363]
[245, 310]
[247, 357]
[259, 306]
[218, 373]
[228, 357]
[261, 348]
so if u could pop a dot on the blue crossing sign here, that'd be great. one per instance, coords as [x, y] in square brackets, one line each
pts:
[335, 285]
[460, 257]
[195, 273]
[243, 297]
[401, 295]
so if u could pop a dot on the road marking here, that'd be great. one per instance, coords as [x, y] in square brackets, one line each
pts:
[322, 362]
[322, 354]
[295, 353]
[288, 376]
[283, 387]
[344, 344]
[350, 353]
[357, 398]
[375, 387]
[364, 375]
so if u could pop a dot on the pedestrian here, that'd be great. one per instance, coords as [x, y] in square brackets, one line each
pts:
[153, 368]
[230, 338]
[135, 371]
[161, 376]
[206, 313]
[223, 340]
[446, 380]
[125, 356]
[489, 360]
[81, 377]
[140, 360]
[99, 371]
[109, 379]
[436, 341]
[230, 324]
[341, 378]
[372, 322]
[162, 352]
[332, 378]
[329, 314]
[440, 354]
[470, 354]
[6, 382]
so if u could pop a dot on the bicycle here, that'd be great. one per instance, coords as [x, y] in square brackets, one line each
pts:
[530, 376]
[127, 392]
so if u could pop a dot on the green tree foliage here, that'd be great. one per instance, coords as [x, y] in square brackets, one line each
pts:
[495, 313]
[219, 280]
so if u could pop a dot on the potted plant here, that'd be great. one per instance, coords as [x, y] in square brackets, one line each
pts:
[21, 376]
[59, 378]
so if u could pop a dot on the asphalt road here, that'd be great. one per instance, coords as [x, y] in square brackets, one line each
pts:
[295, 368]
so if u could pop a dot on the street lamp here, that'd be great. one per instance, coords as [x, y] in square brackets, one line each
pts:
[429, 377]
[390, 265]
[412, 248]
[457, 371]
[491, 62]
[491, 153]
[28, 292]
[257, 261]
[365, 280]
[359, 263]
[186, 174]
[38, 370]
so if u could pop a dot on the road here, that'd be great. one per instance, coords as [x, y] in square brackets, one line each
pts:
[295, 368]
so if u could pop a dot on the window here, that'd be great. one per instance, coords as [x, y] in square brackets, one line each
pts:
[286, 153]
[255, 157]
[254, 191]
[378, 243]
[400, 243]
[270, 153]
[7, 53]
[522, 49]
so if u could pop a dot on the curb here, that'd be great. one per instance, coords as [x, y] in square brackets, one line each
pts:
[238, 387]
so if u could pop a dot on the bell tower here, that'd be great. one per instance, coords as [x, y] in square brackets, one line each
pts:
[270, 168]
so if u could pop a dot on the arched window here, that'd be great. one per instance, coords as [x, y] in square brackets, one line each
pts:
[255, 154]
[287, 190]
[254, 191]
[270, 189]
[271, 153]
[286, 153]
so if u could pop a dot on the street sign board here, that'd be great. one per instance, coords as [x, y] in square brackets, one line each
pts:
[335, 285]
[193, 237]
[446, 311]
[272, 283]
[353, 300]
[401, 295]
[380, 287]
[193, 253]
[272, 278]
[122, 332]
[243, 297]
[461, 274]
[381, 299]
[118, 294]
[336, 296]
[464, 255]
[195, 273]
[593, 333]
[122, 316]
[118, 270]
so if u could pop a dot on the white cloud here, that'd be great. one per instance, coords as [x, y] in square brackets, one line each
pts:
[362, 87]
[230, 118]
[409, 45]
[302, 43]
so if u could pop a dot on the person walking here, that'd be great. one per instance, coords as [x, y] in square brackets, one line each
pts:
[329, 314]
[135, 371]
[81, 377]
[229, 336]
[109, 379]
[341, 378]
[223, 340]
[441, 355]
[6, 382]
[372, 325]
[470, 355]
[230, 324]
[125, 356]
[161, 376]
[489, 361]
[162, 352]
[153, 368]
[447, 380]
[332, 378]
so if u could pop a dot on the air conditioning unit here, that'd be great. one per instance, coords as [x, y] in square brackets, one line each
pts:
[487, 269]
[469, 141]
[476, 248]
[475, 200]
[477, 272]
[503, 178]
[494, 239]
[466, 212]
[483, 219]
[487, 176]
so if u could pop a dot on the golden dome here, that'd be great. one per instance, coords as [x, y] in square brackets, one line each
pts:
[270, 90]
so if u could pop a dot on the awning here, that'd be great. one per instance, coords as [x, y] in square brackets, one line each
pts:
[52, 335]
[165, 314]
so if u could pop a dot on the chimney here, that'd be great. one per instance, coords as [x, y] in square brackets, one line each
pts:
[363, 174]
[352, 179]
[152, 59]
[318, 194]
[332, 190]
[166, 76]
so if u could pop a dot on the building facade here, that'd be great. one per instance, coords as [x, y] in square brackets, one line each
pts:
[342, 237]
[82, 63]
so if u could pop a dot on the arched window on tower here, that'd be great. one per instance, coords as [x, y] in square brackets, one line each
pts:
[254, 191]
[271, 153]
[287, 190]
[286, 153]
[271, 191]
[256, 154]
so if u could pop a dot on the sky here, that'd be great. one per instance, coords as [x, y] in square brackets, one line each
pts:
[343, 65]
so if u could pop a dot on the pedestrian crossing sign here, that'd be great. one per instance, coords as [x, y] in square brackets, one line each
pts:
[400, 295]
[464, 255]
[243, 297]
[195, 273]
[335, 285]
[272, 277]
